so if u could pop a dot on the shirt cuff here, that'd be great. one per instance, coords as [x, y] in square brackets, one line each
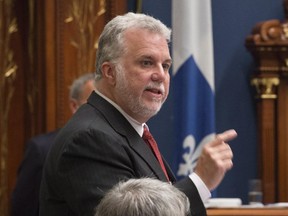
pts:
[201, 187]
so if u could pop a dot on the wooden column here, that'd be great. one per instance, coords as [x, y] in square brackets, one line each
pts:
[268, 44]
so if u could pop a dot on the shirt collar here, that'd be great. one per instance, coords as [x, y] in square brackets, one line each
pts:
[135, 124]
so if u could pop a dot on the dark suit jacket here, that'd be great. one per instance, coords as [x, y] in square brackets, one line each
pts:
[25, 197]
[96, 149]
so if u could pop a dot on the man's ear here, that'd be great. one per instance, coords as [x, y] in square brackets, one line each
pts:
[108, 72]
[73, 105]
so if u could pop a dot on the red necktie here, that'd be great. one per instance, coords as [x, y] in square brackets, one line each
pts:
[148, 138]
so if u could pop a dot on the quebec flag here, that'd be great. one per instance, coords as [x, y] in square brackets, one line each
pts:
[192, 81]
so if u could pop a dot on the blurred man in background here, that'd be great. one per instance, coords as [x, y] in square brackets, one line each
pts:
[25, 197]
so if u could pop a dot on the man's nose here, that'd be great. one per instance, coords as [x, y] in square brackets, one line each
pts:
[159, 74]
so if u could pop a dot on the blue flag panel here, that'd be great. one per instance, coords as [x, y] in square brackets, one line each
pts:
[192, 81]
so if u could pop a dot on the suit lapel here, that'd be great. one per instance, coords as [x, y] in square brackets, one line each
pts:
[123, 127]
[169, 171]
[143, 150]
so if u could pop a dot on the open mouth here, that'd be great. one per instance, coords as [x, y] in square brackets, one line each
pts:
[155, 91]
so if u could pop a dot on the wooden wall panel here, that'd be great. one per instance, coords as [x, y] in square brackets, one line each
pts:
[282, 151]
[78, 25]
[47, 61]
[12, 101]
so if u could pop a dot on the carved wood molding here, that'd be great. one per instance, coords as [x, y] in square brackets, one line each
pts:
[266, 87]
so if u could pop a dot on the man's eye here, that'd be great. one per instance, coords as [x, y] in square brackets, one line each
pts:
[146, 63]
[166, 66]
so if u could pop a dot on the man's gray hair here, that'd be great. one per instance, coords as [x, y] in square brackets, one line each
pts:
[77, 86]
[144, 197]
[111, 43]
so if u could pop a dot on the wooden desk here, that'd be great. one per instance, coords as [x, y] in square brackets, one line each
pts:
[248, 211]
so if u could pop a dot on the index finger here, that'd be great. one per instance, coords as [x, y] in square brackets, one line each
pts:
[227, 135]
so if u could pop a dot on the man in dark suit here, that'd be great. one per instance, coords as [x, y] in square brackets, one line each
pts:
[102, 143]
[25, 197]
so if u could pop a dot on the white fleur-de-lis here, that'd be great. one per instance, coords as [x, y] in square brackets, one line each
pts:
[190, 157]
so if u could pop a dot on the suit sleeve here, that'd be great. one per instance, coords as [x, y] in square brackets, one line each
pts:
[197, 207]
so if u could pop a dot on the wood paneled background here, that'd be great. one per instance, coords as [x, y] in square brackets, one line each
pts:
[44, 45]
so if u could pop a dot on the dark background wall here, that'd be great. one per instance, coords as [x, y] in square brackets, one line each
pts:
[233, 21]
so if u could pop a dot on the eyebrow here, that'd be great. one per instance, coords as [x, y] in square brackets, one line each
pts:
[169, 60]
